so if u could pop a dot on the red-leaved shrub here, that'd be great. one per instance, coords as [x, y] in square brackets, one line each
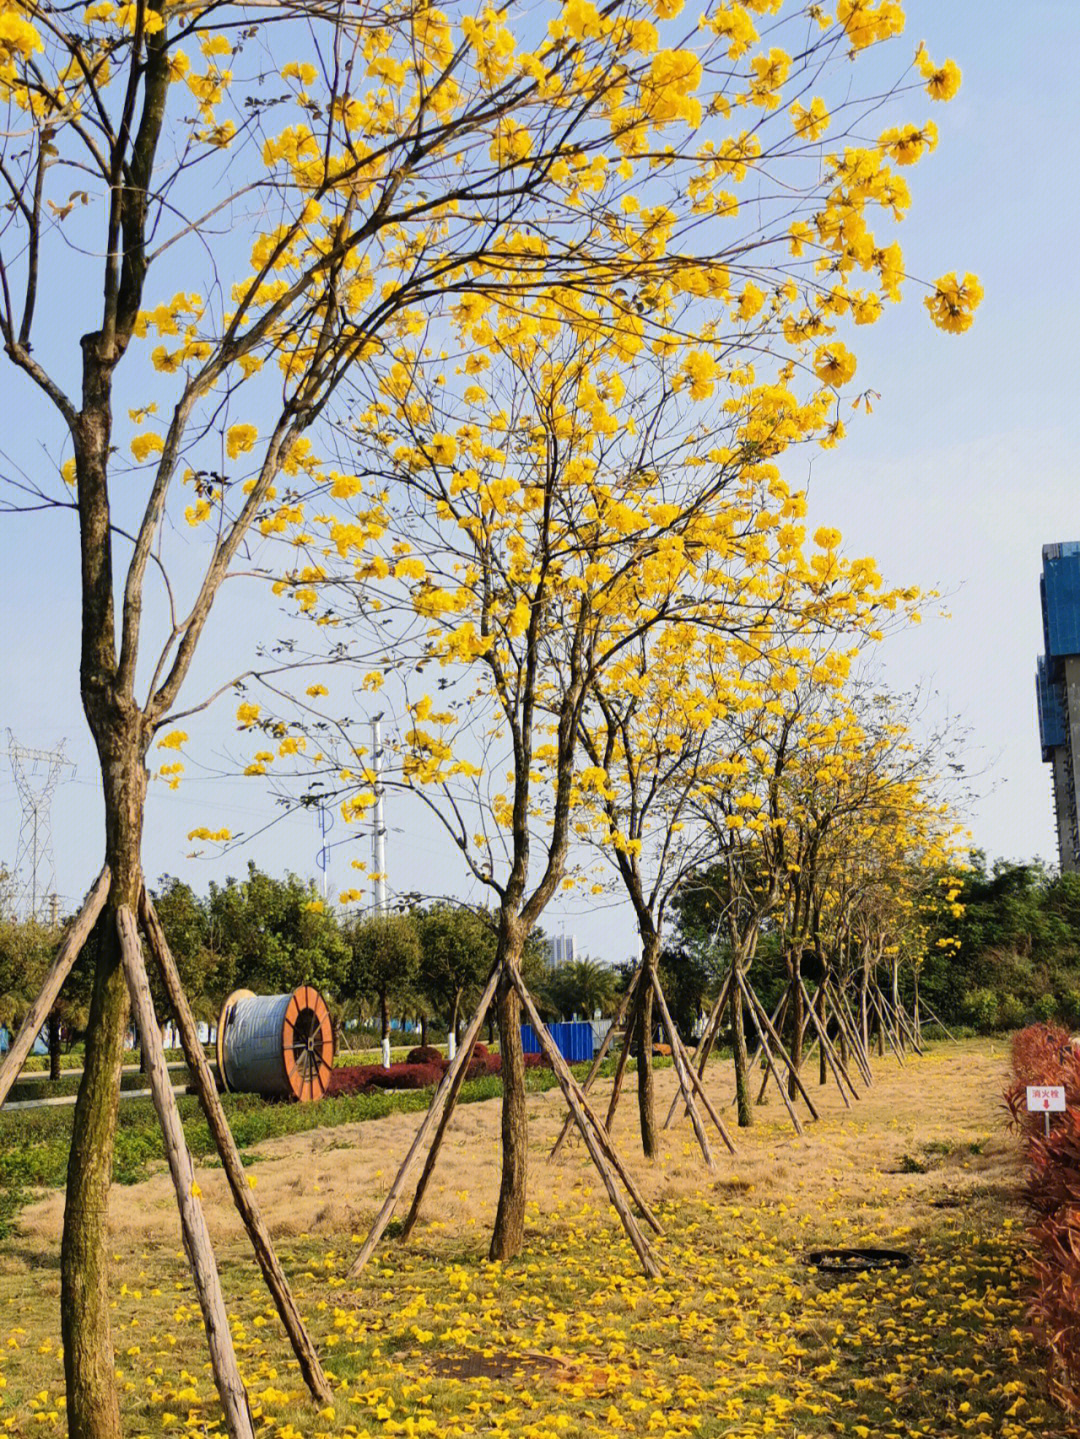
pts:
[407, 1076]
[425, 1054]
[1042, 1054]
[364, 1078]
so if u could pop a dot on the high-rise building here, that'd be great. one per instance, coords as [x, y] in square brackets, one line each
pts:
[562, 949]
[1057, 687]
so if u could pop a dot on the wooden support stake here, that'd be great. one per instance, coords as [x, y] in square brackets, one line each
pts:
[200, 1252]
[779, 1014]
[624, 1058]
[782, 1052]
[699, 1087]
[827, 1049]
[847, 1025]
[937, 1021]
[382, 1219]
[902, 1020]
[886, 1026]
[242, 1194]
[440, 1134]
[763, 1048]
[705, 1043]
[606, 1142]
[854, 1038]
[59, 970]
[681, 1075]
[594, 1069]
[591, 1131]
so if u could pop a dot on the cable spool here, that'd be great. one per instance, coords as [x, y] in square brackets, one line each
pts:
[279, 1045]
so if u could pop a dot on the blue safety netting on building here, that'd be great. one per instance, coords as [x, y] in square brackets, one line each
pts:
[1051, 709]
[1060, 592]
[573, 1040]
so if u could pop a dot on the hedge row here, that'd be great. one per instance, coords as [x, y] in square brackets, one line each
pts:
[421, 1069]
[1043, 1054]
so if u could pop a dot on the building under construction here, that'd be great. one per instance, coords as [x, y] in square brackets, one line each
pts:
[1057, 686]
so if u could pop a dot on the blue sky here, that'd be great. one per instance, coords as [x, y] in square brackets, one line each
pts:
[967, 466]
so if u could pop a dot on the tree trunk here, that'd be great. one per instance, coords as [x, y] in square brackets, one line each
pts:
[509, 1233]
[54, 1046]
[645, 1087]
[797, 1015]
[491, 1028]
[423, 1031]
[742, 1060]
[452, 1027]
[823, 1017]
[916, 1017]
[93, 1410]
[384, 1015]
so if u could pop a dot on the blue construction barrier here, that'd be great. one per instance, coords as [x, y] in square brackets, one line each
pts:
[574, 1041]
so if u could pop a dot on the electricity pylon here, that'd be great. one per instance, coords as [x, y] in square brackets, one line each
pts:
[37, 773]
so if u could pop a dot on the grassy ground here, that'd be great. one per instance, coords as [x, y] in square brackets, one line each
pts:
[34, 1143]
[741, 1337]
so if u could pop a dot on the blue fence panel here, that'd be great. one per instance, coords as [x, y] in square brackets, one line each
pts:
[573, 1041]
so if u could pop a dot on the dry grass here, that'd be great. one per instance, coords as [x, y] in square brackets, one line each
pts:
[330, 1181]
[738, 1333]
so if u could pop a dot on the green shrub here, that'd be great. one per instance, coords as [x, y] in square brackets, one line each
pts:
[981, 1009]
[1011, 1011]
[1046, 1007]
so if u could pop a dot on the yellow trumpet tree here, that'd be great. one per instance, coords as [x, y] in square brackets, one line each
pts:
[659, 716]
[215, 216]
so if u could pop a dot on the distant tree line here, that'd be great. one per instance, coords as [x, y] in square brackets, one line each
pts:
[1017, 946]
[423, 963]
[1005, 952]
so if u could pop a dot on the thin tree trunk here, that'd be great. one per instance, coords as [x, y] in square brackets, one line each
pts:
[93, 1409]
[916, 1017]
[452, 1027]
[798, 1026]
[242, 1194]
[423, 1031]
[646, 1088]
[823, 1030]
[196, 1235]
[742, 1060]
[54, 1046]
[384, 1015]
[509, 1233]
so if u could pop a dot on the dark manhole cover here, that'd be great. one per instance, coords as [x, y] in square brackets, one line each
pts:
[857, 1261]
[472, 1365]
